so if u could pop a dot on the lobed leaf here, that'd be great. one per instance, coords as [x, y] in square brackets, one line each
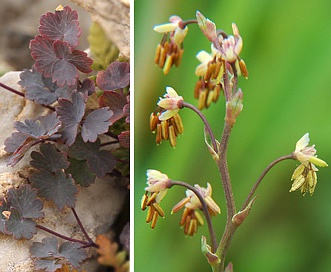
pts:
[116, 76]
[58, 60]
[49, 158]
[80, 172]
[124, 139]
[96, 123]
[49, 256]
[99, 161]
[116, 101]
[73, 252]
[41, 89]
[24, 200]
[20, 227]
[56, 187]
[71, 113]
[61, 25]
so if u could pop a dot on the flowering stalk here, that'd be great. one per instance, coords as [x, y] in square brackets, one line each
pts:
[204, 120]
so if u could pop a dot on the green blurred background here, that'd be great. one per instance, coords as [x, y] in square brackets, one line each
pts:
[287, 49]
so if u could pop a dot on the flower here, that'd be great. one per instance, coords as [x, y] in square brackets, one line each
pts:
[157, 181]
[171, 103]
[304, 176]
[305, 153]
[170, 51]
[158, 184]
[191, 218]
[232, 46]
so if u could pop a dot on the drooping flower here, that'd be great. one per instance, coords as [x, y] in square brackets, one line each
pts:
[169, 52]
[304, 176]
[191, 218]
[171, 103]
[232, 46]
[305, 153]
[158, 184]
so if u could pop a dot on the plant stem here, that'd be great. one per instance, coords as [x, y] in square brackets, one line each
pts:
[204, 209]
[86, 244]
[81, 225]
[22, 94]
[204, 120]
[263, 174]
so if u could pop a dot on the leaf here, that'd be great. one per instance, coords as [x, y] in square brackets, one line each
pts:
[41, 128]
[49, 158]
[58, 60]
[24, 200]
[71, 113]
[96, 123]
[73, 252]
[103, 50]
[41, 89]
[29, 133]
[126, 109]
[80, 172]
[20, 227]
[86, 87]
[123, 156]
[61, 25]
[4, 207]
[56, 187]
[116, 102]
[99, 161]
[48, 256]
[116, 76]
[124, 139]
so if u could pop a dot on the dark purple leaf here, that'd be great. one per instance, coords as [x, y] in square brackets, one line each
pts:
[61, 25]
[4, 206]
[96, 123]
[19, 227]
[58, 61]
[56, 187]
[29, 133]
[116, 76]
[116, 102]
[71, 113]
[49, 158]
[24, 200]
[41, 128]
[13, 142]
[124, 139]
[80, 172]
[41, 89]
[73, 252]
[126, 109]
[99, 161]
[87, 86]
[125, 237]
[48, 255]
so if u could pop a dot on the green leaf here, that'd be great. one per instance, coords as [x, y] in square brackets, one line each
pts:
[103, 50]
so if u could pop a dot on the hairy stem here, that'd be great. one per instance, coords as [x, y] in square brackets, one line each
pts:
[263, 174]
[204, 209]
[204, 120]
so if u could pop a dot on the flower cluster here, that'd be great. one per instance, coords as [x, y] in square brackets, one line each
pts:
[165, 121]
[169, 52]
[158, 184]
[304, 176]
[191, 218]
